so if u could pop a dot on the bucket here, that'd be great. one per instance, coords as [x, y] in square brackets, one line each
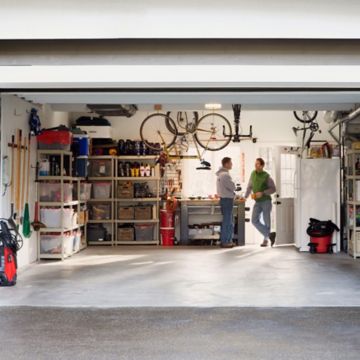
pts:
[81, 144]
[167, 235]
[166, 219]
[321, 243]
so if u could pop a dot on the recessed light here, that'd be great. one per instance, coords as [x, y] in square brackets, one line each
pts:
[213, 106]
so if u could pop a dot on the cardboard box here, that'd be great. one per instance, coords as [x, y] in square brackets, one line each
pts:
[125, 212]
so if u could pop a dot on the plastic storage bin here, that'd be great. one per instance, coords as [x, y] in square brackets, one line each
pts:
[100, 168]
[100, 212]
[52, 218]
[55, 139]
[85, 191]
[51, 244]
[51, 192]
[125, 212]
[144, 232]
[101, 190]
[77, 241]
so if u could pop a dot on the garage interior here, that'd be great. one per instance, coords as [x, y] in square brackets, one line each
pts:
[159, 282]
[276, 135]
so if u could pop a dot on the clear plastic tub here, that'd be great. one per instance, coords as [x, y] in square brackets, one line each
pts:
[52, 218]
[51, 244]
[77, 241]
[85, 191]
[51, 192]
[101, 190]
[100, 168]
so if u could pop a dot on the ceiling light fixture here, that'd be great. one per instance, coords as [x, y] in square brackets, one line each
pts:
[213, 106]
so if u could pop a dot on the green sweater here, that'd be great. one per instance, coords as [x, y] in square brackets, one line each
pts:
[260, 183]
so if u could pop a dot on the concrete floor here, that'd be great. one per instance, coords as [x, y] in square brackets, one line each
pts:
[194, 277]
[180, 333]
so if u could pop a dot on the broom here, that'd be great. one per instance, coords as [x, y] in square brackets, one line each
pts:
[26, 218]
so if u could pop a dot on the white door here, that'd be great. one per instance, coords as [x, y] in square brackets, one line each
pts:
[285, 166]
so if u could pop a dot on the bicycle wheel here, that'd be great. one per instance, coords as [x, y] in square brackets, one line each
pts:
[213, 132]
[155, 129]
[305, 116]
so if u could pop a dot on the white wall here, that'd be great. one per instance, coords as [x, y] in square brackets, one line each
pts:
[67, 19]
[15, 115]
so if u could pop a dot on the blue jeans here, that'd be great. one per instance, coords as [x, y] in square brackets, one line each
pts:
[227, 226]
[264, 208]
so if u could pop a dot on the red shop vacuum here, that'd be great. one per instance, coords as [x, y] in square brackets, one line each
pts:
[10, 243]
[321, 233]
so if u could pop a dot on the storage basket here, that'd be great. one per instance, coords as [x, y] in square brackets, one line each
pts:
[143, 212]
[125, 212]
[101, 190]
[144, 232]
[51, 192]
[126, 234]
[125, 190]
[100, 212]
[100, 168]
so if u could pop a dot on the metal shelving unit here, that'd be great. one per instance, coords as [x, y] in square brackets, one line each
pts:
[154, 200]
[114, 178]
[108, 177]
[61, 179]
[353, 203]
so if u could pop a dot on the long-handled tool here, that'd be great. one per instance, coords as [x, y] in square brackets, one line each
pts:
[23, 178]
[26, 217]
[18, 178]
[12, 183]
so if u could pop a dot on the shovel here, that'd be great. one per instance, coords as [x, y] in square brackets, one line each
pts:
[23, 178]
[26, 217]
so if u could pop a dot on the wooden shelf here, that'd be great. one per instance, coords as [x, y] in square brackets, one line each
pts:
[53, 152]
[59, 230]
[101, 200]
[138, 178]
[99, 243]
[48, 178]
[138, 200]
[100, 221]
[137, 157]
[137, 221]
[57, 203]
[99, 178]
[102, 157]
[151, 242]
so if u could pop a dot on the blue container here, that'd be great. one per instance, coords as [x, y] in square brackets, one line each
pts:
[81, 144]
[82, 166]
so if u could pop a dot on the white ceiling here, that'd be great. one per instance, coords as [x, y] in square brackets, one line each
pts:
[281, 100]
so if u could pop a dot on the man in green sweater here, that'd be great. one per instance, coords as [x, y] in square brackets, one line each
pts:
[261, 186]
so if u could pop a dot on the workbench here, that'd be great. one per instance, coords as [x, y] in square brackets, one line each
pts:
[196, 212]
